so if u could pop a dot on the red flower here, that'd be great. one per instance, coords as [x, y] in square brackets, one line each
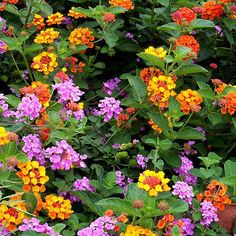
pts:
[182, 15]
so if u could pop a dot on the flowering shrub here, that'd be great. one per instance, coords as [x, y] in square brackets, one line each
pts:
[117, 117]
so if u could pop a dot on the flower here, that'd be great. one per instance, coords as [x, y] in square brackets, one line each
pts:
[29, 107]
[122, 181]
[216, 193]
[83, 184]
[158, 52]
[160, 89]
[111, 85]
[33, 148]
[135, 230]
[109, 17]
[55, 19]
[64, 157]
[147, 73]
[4, 231]
[45, 62]
[109, 108]
[128, 4]
[75, 14]
[3, 47]
[153, 182]
[228, 103]
[82, 36]
[33, 175]
[12, 213]
[188, 41]
[4, 139]
[38, 21]
[183, 191]
[4, 108]
[100, 227]
[219, 31]
[190, 100]
[57, 207]
[142, 161]
[183, 15]
[209, 213]
[47, 36]
[188, 227]
[211, 10]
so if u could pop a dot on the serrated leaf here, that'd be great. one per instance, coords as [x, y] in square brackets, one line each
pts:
[229, 168]
[153, 60]
[201, 23]
[189, 133]
[189, 69]
[110, 37]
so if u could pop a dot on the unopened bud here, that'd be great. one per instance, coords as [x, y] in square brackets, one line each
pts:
[163, 206]
[172, 40]
[51, 49]
[12, 162]
[12, 136]
[138, 203]
[23, 33]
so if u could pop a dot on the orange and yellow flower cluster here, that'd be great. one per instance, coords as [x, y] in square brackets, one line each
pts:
[211, 10]
[128, 4]
[160, 89]
[57, 207]
[158, 52]
[45, 62]
[4, 136]
[47, 36]
[33, 175]
[38, 21]
[228, 103]
[73, 13]
[190, 101]
[82, 36]
[216, 193]
[55, 19]
[147, 73]
[153, 182]
[184, 14]
[135, 230]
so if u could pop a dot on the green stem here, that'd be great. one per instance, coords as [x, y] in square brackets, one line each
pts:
[100, 2]
[186, 122]
[28, 15]
[27, 64]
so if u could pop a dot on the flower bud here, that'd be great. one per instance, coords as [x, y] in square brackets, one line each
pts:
[172, 40]
[138, 204]
[12, 162]
[213, 66]
[163, 206]
[23, 33]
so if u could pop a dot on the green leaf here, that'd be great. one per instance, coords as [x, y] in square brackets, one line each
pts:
[110, 37]
[211, 159]
[230, 180]
[146, 222]
[33, 48]
[165, 144]
[200, 24]
[153, 60]
[31, 201]
[58, 227]
[12, 9]
[174, 109]
[164, 2]
[171, 157]
[110, 180]
[22, 157]
[181, 52]
[189, 69]
[171, 28]
[117, 10]
[215, 118]
[229, 168]
[206, 90]
[176, 231]
[13, 100]
[139, 90]
[189, 133]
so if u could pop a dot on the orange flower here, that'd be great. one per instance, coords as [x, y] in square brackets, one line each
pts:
[128, 4]
[190, 100]
[109, 213]
[47, 36]
[211, 10]
[55, 19]
[109, 17]
[228, 103]
[12, 1]
[82, 36]
[147, 73]
[33, 175]
[2, 6]
[38, 21]
[75, 14]
[182, 15]
[122, 218]
[188, 41]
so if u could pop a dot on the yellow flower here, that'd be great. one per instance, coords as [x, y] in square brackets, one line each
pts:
[55, 19]
[153, 182]
[73, 13]
[158, 52]
[4, 139]
[45, 62]
[128, 4]
[38, 21]
[135, 230]
[57, 207]
[46, 36]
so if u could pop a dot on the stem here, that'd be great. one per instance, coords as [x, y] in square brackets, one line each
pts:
[28, 15]
[186, 122]
[27, 64]
[100, 2]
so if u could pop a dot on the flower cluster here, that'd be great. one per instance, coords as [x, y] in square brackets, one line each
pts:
[75, 14]
[47, 36]
[109, 17]
[183, 191]
[228, 103]
[136, 230]
[64, 157]
[142, 161]
[74, 65]
[122, 181]
[3, 47]
[45, 62]
[190, 101]
[158, 52]
[209, 213]
[108, 108]
[38, 21]
[55, 19]
[216, 193]
[34, 224]
[160, 89]
[101, 226]
[33, 175]
[111, 85]
[83, 184]
[4, 138]
[211, 10]
[153, 182]
[147, 73]
[183, 15]
[82, 36]
[128, 4]
[4, 108]
[57, 207]
[124, 118]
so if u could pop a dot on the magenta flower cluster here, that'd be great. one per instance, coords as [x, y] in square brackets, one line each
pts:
[209, 213]
[33, 224]
[183, 191]
[122, 181]
[111, 85]
[100, 227]
[3, 47]
[64, 157]
[142, 161]
[4, 106]
[83, 184]
[4, 231]
[188, 227]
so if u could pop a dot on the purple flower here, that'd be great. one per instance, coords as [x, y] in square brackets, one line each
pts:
[4, 231]
[33, 148]
[109, 108]
[116, 146]
[63, 157]
[34, 225]
[111, 85]
[188, 148]
[3, 24]
[142, 161]
[209, 213]
[83, 184]
[4, 106]
[201, 130]
[29, 107]
[188, 227]
[122, 181]
[129, 35]
[69, 196]
[183, 191]
[99, 227]
[66, 20]
[3, 47]
[219, 31]
[68, 92]
[25, 75]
